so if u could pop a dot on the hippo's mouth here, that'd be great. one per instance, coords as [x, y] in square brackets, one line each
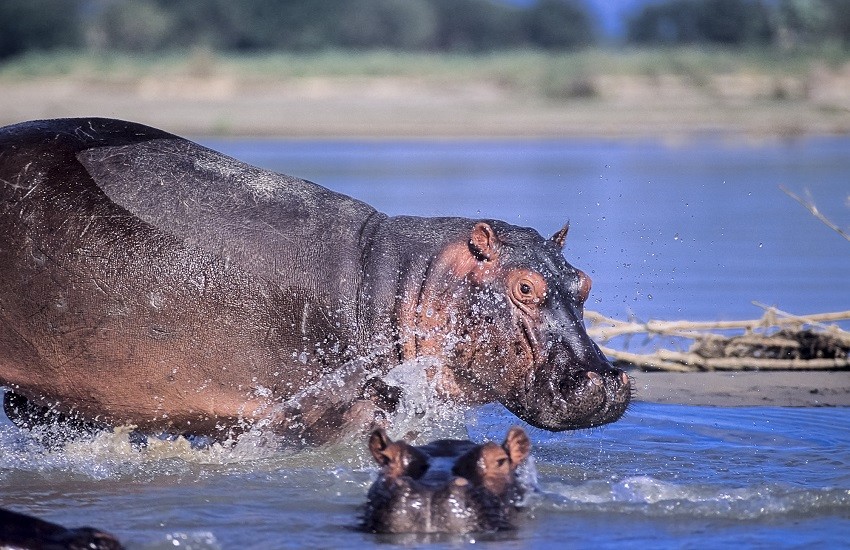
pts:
[565, 393]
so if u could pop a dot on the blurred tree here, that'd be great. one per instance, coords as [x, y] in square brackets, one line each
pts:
[297, 24]
[734, 22]
[814, 21]
[560, 24]
[730, 22]
[134, 26]
[840, 10]
[477, 25]
[38, 25]
[397, 24]
[662, 24]
[254, 24]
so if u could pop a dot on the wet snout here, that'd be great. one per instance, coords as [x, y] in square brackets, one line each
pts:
[598, 391]
[575, 387]
[426, 506]
[590, 391]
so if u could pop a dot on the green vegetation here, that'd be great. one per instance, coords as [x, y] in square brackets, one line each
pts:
[731, 22]
[141, 26]
[145, 27]
[545, 73]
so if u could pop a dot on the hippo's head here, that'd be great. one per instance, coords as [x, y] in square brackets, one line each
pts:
[514, 307]
[448, 486]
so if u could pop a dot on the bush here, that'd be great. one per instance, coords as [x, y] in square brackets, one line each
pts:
[476, 25]
[728, 22]
[559, 25]
[38, 25]
[815, 21]
[393, 24]
[134, 26]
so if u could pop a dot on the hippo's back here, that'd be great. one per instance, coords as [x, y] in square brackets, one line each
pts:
[205, 199]
[135, 265]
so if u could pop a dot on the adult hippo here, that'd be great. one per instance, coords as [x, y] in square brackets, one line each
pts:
[147, 280]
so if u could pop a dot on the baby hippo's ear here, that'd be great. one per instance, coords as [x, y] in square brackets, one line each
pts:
[396, 458]
[517, 445]
[381, 447]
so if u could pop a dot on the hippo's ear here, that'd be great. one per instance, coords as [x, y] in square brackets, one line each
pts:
[483, 242]
[560, 237]
[517, 445]
[379, 442]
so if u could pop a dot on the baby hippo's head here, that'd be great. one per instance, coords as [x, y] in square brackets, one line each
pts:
[447, 486]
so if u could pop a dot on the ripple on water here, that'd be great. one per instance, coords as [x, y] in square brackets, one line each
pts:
[652, 497]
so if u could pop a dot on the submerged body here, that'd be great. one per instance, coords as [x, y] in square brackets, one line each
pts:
[447, 486]
[147, 280]
[24, 532]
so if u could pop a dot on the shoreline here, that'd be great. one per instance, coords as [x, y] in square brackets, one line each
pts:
[745, 389]
[624, 108]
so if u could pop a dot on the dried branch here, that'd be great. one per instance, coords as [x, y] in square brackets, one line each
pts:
[604, 328]
[754, 349]
[811, 207]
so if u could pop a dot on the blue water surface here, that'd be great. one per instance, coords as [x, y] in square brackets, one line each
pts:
[665, 476]
[697, 231]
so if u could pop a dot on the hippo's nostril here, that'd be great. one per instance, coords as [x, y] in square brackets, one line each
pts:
[595, 379]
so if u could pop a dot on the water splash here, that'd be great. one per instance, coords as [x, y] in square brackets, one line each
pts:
[649, 496]
[424, 414]
[421, 415]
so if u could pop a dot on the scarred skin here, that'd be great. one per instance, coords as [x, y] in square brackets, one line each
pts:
[447, 486]
[147, 280]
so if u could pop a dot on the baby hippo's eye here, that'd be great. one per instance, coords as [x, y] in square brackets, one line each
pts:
[525, 288]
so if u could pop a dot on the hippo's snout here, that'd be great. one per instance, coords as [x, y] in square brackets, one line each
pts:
[406, 505]
[573, 391]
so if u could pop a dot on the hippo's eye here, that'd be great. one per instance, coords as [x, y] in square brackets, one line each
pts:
[524, 291]
[526, 287]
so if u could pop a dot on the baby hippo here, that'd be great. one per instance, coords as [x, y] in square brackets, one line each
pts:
[447, 486]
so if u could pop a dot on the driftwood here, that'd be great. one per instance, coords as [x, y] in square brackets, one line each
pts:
[776, 341]
[810, 205]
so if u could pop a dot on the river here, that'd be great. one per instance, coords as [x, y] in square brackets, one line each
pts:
[691, 231]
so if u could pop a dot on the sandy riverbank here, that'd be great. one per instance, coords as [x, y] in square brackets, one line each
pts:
[669, 107]
[743, 389]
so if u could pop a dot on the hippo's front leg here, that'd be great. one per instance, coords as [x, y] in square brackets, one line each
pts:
[349, 401]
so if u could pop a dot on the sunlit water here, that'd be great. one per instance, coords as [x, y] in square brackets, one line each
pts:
[692, 232]
[664, 476]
